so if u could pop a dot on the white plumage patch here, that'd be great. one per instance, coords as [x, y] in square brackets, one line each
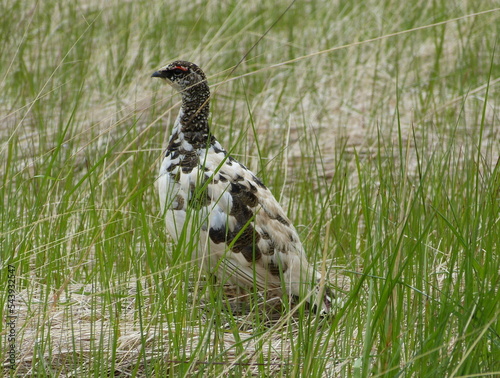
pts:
[243, 231]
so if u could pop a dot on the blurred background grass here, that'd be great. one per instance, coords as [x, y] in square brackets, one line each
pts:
[385, 155]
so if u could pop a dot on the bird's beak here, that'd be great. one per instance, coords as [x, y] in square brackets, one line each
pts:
[158, 74]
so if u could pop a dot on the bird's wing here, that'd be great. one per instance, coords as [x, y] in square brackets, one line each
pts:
[242, 222]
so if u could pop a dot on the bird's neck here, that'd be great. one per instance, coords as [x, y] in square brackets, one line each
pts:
[195, 109]
[191, 129]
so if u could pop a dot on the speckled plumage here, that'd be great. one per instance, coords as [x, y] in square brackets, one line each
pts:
[242, 234]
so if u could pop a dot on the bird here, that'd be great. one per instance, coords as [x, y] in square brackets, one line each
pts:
[240, 233]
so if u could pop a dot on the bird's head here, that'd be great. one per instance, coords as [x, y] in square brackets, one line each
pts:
[182, 75]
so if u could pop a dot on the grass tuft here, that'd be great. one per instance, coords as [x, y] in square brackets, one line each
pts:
[375, 124]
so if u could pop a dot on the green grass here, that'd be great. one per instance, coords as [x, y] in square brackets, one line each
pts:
[385, 154]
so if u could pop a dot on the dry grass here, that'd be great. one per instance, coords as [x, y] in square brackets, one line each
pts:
[393, 143]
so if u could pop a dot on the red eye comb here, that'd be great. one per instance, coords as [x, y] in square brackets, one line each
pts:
[181, 68]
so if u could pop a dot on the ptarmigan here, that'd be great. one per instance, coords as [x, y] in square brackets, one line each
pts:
[241, 233]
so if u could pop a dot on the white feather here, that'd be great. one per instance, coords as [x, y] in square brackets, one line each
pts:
[233, 267]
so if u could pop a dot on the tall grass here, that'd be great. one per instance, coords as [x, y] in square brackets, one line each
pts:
[385, 154]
